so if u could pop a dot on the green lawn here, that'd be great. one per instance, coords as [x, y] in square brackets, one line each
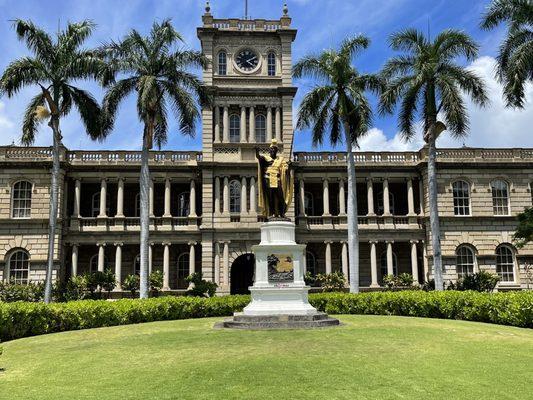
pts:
[369, 357]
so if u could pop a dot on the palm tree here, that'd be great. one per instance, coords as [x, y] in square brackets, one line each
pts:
[54, 67]
[515, 58]
[153, 68]
[338, 104]
[428, 83]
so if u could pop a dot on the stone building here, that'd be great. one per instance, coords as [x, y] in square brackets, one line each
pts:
[204, 203]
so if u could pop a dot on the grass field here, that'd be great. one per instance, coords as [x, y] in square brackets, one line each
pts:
[368, 357]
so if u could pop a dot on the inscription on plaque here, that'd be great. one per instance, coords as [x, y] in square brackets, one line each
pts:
[280, 268]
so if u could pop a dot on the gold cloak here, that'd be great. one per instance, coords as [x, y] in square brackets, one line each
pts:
[287, 182]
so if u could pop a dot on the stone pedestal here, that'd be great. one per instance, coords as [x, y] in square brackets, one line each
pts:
[279, 293]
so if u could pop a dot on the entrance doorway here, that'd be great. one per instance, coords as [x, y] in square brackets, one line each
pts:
[242, 274]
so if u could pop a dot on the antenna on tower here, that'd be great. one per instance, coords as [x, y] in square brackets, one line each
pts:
[245, 9]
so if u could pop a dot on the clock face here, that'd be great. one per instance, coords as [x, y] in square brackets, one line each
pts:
[247, 60]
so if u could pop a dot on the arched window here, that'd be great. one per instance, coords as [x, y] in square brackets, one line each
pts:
[260, 128]
[137, 265]
[310, 263]
[222, 63]
[234, 128]
[183, 204]
[138, 205]
[383, 264]
[505, 262]
[309, 203]
[461, 198]
[21, 199]
[464, 261]
[235, 196]
[95, 204]
[183, 270]
[500, 197]
[93, 263]
[381, 207]
[271, 63]
[19, 267]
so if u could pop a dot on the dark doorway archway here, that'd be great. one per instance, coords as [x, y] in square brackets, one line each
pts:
[242, 274]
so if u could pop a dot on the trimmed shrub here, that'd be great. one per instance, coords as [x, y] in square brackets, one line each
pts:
[200, 287]
[20, 319]
[334, 282]
[32, 292]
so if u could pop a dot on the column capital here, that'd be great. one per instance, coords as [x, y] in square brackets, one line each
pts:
[389, 241]
[76, 244]
[118, 244]
[369, 179]
[166, 244]
[328, 242]
[373, 242]
[99, 244]
[413, 241]
[343, 242]
[151, 244]
[192, 243]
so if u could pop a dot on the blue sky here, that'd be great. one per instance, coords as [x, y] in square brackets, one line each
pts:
[320, 23]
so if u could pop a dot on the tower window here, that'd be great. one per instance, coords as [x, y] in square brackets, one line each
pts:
[260, 128]
[234, 128]
[271, 63]
[235, 196]
[222, 63]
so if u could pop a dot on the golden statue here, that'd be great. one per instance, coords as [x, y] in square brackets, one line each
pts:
[275, 182]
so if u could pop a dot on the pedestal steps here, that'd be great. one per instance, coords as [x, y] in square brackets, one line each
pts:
[241, 321]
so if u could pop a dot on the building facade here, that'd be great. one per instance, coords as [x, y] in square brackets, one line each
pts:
[203, 204]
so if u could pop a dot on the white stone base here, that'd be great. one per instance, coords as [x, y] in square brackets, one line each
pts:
[283, 298]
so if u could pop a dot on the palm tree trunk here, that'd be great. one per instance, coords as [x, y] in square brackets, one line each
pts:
[353, 232]
[433, 205]
[145, 219]
[54, 205]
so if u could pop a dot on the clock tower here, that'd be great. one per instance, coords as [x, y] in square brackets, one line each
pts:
[250, 79]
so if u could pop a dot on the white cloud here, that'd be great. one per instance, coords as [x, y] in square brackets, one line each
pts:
[375, 140]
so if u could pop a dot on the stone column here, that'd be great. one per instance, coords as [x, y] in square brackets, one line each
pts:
[302, 197]
[252, 126]
[421, 194]
[425, 261]
[344, 259]
[150, 258]
[118, 266]
[342, 198]
[390, 260]
[269, 124]
[217, 125]
[325, 196]
[244, 196]
[328, 257]
[226, 196]
[192, 258]
[217, 195]
[304, 260]
[410, 198]
[243, 124]
[386, 202]
[225, 123]
[192, 199]
[414, 260]
[373, 265]
[253, 196]
[217, 263]
[103, 198]
[166, 266]
[225, 255]
[278, 124]
[101, 256]
[370, 197]
[167, 198]
[74, 270]
[120, 198]
[151, 198]
[77, 199]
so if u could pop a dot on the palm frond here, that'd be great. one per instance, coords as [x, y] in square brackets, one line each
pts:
[114, 95]
[20, 73]
[453, 106]
[89, 111]
[452, 43]
[408, 40]
[32, 120]
[353, 45]
[36, 39]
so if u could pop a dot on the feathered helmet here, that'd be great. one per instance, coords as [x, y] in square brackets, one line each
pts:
[274, 144]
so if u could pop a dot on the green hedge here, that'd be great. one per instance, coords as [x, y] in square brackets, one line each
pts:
[20, 319]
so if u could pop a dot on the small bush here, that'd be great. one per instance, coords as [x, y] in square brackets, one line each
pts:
[402, 281]
[131, 283]
[156, 282]
[334, 282]
[200, 287]
[481, 281]
[32, 292]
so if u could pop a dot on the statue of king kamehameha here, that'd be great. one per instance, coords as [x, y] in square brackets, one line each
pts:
[275, 183]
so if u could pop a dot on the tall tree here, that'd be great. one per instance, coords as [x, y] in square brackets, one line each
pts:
[56, 64]
[429, 84]
[515, 58]
[154, 68]
[337, 105]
